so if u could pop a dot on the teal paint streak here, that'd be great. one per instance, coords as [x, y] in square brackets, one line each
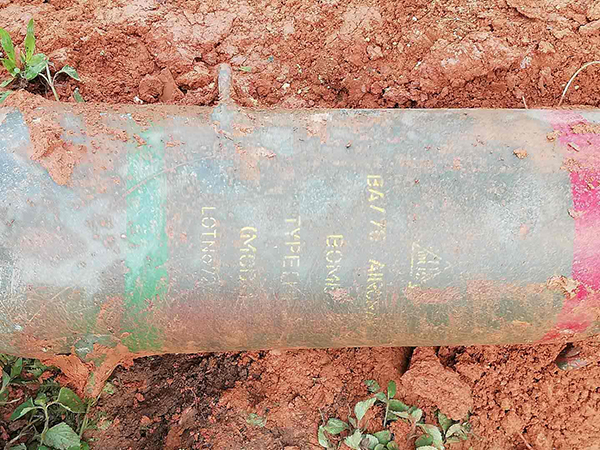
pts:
[146, 280]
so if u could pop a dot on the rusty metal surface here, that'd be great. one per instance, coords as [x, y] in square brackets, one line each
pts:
[227, 228]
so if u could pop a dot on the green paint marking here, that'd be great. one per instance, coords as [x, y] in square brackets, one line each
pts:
[146, 280]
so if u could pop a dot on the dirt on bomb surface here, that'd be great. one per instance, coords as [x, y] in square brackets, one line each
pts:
[339, 54]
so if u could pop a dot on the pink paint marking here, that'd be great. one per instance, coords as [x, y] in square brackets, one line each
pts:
[575, 315]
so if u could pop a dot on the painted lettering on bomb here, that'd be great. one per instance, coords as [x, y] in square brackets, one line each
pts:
[290, 275]
[333, 259]
[374, 291]
[376, 199]
[247, 259]
[209, 235]
[425, 265]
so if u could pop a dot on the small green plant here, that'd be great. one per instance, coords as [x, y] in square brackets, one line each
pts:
[77, 96]
[395, 409]
[451, 431]
[17, 371]
[51, 416]
[9, 377]
[30, 64]
[41, 412]
[356, 438]
[432, 438]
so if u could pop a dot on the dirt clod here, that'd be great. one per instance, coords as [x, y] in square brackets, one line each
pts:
[427, 378]
[593, 11]
[150, 89]
[590, 28]
[586, 128]
[47, 146]
[520, 153]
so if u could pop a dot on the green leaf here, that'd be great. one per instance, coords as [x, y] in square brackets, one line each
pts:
[16, 369]
[397, 406]
[381, 397]
[402, 414]
[84, 446]
[7, 82]
[369, 441]
[5, 380]
[336, 426]
[427, 447]
[69, 71]
[109, 388]
[354, 440]
[246, 69]
[23, 409]
[255, 420]
[11, 67]
[372, 386]
[7, 45]
[43, 447]
[77, 96]
[391, 417]
[4, 95]
[30, 40]
[352, 421]
[323, 441]
[444, 421]
[70, 400]
[19, 447]
[380, 447]
[391, 391]
[432, 431]
[36, 368]
[457, 430]
[423, 441]
[383, 436]
[41, 399]
[416, 415]
[62, 437]
[453, 429]
[361, 408]
[36, 64]
[392, 446]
